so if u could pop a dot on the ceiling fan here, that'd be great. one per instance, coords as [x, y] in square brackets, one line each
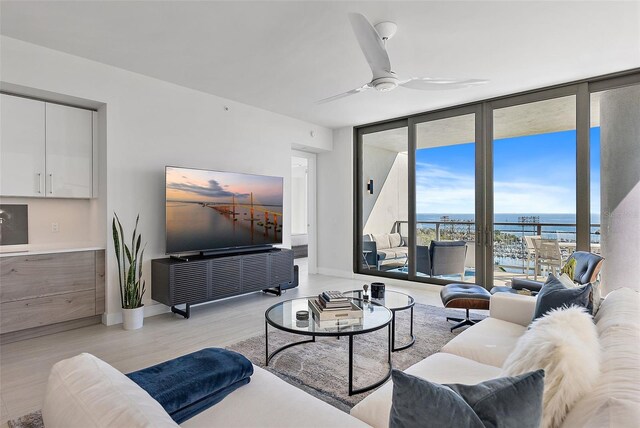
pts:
[373, 42]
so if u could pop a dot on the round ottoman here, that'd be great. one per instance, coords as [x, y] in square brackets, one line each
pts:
[464, 296]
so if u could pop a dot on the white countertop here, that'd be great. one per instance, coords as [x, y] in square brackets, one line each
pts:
[33, 249]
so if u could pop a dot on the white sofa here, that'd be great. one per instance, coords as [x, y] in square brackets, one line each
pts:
[478, 353]
[86, 392]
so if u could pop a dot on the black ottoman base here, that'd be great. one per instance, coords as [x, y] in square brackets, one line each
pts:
[464, 296]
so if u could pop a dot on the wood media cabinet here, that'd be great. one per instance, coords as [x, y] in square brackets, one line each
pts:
[208, 278]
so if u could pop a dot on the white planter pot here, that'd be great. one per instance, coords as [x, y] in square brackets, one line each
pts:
[132, 319]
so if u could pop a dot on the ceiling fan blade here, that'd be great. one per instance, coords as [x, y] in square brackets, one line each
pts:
[371, 44]
[344, 94]
[429, 84]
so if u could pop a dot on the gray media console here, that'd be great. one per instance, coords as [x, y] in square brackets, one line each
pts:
[177, 282]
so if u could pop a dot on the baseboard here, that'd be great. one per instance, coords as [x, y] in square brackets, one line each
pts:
[149, 311]
[335, 272]
[400, 282]
[44, 330]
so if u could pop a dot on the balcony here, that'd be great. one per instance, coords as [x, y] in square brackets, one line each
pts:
[512, 256]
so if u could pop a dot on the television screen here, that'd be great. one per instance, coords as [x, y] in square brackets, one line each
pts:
[211, 210]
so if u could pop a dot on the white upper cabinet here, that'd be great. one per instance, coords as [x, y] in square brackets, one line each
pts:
[46, 150]
[69, 151]
[22, 141]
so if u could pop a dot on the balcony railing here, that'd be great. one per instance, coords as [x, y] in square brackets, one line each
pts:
[509, 245]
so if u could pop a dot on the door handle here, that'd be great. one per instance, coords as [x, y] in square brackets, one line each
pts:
[39, 182]
[489, 237]
[50, 183]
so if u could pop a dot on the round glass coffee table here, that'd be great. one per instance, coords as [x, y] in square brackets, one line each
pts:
[394, 301]
[282, 316]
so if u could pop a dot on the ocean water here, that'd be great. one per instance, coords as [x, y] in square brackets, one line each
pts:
[563, 233]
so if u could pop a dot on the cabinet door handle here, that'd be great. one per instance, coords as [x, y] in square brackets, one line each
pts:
[50, 183]
[39, 182]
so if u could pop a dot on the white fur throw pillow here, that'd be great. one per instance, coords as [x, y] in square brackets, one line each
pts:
[565, 344]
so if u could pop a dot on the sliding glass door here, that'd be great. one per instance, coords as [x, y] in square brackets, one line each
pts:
[534, 187]
[383, 220]
[444, 164]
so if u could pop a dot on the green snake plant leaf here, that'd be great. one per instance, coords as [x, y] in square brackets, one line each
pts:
[130, 260]
[116, 244]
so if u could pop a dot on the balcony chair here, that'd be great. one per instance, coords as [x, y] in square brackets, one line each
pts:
[588, 267]
[548, 255]
[447, 258]
[423, 260]
[531, 254]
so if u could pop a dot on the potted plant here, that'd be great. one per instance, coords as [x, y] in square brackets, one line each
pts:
[132, 286]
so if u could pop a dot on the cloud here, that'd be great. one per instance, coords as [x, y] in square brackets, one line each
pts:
[443, 190]
[213, 190]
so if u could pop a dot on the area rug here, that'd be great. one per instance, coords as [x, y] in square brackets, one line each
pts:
[32, 420]
[321, 368]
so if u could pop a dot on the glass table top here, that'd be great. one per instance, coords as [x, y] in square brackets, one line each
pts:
[283, 316]
[393, 300]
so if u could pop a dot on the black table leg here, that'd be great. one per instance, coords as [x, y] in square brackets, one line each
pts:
[395, 348]
[266, 343]
[352, 390]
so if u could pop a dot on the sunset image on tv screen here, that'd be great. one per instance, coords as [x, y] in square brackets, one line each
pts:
[208, 210]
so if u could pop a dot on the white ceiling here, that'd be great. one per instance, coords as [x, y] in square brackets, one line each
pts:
[283, 56]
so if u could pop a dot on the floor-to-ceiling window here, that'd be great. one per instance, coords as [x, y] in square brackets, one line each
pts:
[534, 187]
[511, 178]
[384, 202]
[445, 196]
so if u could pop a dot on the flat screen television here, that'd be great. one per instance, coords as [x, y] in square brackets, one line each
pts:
[209, 211]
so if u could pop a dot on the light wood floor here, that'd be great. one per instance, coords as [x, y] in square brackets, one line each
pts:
[24, 366]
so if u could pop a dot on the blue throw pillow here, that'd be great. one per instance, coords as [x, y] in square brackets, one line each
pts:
[504, 402]
[554, 295]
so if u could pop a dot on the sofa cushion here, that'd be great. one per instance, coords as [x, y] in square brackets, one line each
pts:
[401, 251]
[382, 241]
[395, 240]
[564, 343]
[389, 253]
[616, 397]
[268, 401]
[554, 295]
[84, 391]
[507, 401]
[440, 368]
[488, 342]
[620, 308]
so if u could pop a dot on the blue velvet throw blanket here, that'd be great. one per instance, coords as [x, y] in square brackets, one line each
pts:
[190, 384]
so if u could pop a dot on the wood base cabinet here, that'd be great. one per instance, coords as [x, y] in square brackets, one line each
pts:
[45, 293]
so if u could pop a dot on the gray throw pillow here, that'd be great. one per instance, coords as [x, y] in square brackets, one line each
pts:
[554, 295]
[500, 403]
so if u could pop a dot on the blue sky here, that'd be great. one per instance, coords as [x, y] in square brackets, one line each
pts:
[532, 174]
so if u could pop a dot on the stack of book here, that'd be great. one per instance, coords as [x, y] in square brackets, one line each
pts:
[332, 306]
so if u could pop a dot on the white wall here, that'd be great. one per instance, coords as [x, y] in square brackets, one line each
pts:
[376, 164]
[620, 187]
[150, 124]
[335, 206]
[392, 200]
[299, 200]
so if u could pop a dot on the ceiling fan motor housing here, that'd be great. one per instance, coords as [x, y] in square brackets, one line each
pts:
[384, 84]
[386, 29]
